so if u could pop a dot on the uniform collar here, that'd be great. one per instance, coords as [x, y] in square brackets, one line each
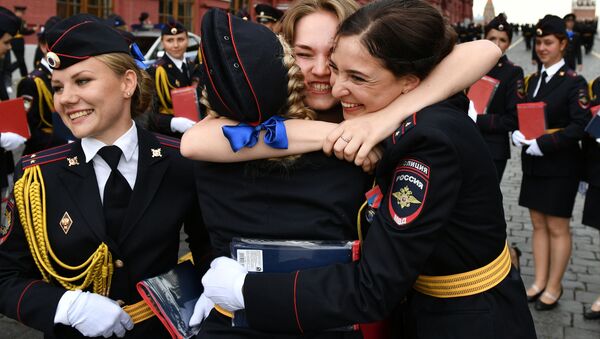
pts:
[127, 142]
[177, 62]
[550, 71]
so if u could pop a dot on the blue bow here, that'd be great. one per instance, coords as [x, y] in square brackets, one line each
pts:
[136, 53]
[244, 135]
[570, 34]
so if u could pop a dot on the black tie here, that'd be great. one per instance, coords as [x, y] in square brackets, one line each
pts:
[117, 192]
[184, 70]
[542, 84]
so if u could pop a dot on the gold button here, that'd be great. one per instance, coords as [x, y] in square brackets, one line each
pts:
[120, 302]
[119, 263]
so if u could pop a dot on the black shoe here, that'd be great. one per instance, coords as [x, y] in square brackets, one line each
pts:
[591, 314]
[532, 298]
[542, 306]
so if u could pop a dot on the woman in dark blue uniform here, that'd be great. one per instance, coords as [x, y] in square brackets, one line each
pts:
[440, 220]
[90, 219]
[501, 116]
[552, 163]
[591, 175]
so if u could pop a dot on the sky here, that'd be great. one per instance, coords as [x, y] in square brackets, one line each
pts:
[526, 11]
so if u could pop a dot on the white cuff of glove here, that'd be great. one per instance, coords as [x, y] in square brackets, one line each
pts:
[598, 140]
[518, 138]
[11, 141]
[180, 124]
[223, 283]
[472, 112]
[62, 309]
[534, 149]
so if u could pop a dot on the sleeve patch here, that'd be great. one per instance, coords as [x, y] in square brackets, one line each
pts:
[7, 221]
[408, 191]
[583, 100]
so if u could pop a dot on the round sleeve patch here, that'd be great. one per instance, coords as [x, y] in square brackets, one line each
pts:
[7, 221]
[408, 191]
[521, 90]
[583, 100]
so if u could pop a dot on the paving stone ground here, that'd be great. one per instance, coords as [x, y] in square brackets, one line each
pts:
[582, 278]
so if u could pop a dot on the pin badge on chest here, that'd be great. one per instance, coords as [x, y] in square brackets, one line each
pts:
[73, 161]
[66, 222]
[156, 152]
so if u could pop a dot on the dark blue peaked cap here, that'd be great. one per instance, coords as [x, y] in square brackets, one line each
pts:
[244, 73]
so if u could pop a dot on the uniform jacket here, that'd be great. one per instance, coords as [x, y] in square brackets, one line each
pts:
[501, 116]
[567, 108]
[39, 116]
[314, 198]
[573, 52]
[441, 214]
[161, 115]
[591, 149]
[163, 200]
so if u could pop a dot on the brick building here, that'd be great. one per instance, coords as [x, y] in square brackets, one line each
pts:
[189, 12]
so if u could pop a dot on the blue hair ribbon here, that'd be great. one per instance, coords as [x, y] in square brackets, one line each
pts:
[244, 135]
[137, 55]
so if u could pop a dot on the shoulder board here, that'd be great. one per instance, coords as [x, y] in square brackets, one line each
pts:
[406, 126]
[571, 73]
[46, 156]
[159, 63]
[36, 73]
[167, 141]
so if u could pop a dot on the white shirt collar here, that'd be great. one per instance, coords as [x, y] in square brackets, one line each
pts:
[127, 143]
[45, 64]
[552, 69]
[177, 62]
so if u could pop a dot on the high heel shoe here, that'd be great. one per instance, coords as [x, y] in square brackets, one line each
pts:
[538, 292]
[515, 257]
[542, 306]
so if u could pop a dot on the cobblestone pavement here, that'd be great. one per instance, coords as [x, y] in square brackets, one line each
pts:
[582, 279]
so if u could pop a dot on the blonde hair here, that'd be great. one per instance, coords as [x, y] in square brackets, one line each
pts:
[299, 9]
[121, 63]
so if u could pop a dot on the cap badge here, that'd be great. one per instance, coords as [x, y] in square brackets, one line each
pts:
[174, 30]
[66, 222]
[53, 60]
[501, 27]
[539, 31]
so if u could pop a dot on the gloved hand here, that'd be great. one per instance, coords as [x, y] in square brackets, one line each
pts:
[582, 189]
[472, 112]
[201, 310]
[92, 314]
[11, 141]
[223, 283]
[534, 149]
[518, 138]
[598, 140]
[179, 124]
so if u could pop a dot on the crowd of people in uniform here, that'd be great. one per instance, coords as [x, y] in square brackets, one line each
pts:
[305, 114]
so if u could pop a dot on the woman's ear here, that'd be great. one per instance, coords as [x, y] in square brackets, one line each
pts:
[129, 83]
[409, 82]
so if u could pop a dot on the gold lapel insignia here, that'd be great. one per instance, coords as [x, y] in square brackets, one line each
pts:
[170, 66]
[177, 83]
[561, 73]
[73, 161]
[66, 222]
[156, 152]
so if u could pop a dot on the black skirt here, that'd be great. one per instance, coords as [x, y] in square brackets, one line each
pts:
[549, 195]
[591, 208]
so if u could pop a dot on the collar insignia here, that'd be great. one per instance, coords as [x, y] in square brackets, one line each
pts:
[73, 161]
[156, 152]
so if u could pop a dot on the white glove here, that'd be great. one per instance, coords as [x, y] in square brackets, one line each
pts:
[223, 283]
[518, 138]
[11, 141]
[582, 189]
[179, 124]
[201, 310]
[534, 149]
[598, 140]
[92, 314]
[472, 112]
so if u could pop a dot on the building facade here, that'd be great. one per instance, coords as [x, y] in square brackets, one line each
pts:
[189, 12]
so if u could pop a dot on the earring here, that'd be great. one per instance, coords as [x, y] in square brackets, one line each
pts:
[128, 94]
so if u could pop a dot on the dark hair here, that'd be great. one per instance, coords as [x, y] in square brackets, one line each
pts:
[408, 36]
